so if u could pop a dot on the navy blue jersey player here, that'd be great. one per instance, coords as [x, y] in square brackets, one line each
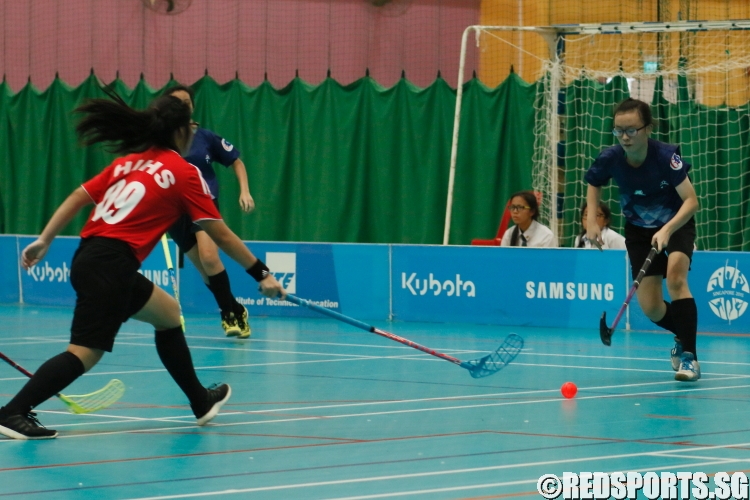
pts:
[658, 201]
[206, 149]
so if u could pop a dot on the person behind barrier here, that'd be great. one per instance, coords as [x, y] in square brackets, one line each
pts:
[610, 237]
[659, 202]
[527, 232]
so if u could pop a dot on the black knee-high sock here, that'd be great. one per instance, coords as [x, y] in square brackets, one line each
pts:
[175, 355]
[685, 315]
[219, 286]
[667, 322]
[53, 376]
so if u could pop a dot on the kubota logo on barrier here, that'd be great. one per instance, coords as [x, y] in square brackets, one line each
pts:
[49, 273]
[452, 288]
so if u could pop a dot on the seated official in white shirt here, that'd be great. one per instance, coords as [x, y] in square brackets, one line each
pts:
[527, 232]
[611, 238]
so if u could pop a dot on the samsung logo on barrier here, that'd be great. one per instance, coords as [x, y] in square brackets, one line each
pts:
[49, 273]
[451, 288]
[157, 277]
[570, 291]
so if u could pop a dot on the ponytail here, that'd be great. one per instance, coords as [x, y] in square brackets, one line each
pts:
[127, 130]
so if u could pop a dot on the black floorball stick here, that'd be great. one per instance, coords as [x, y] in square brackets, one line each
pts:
[478, 368]
[606, 333]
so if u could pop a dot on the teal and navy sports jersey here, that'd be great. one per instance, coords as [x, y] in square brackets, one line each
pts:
[648, 197]
[208, 148]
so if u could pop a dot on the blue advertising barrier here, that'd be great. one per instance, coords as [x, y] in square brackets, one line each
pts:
[565, 288]
[561, 288]
[719, 284]
[9, 270]
[48, 282]
[352, 279]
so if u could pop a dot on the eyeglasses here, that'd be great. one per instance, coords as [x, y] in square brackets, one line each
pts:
[630, 132]
[518, 208]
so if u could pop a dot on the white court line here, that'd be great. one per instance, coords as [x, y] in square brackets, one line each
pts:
[446, 398]
[179, 418]
[355, 357]
[663, 359]
[390, 412]
[677, 454]
[351, 405]
[429, 474]
[495, 485]
[234, 347]
[249, 351]
[34, 342]
[613, 368]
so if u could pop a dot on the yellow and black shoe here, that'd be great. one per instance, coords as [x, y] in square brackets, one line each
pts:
[243, 322]
[230, 325]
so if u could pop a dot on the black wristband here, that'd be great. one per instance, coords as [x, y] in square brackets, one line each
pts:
[258, 270]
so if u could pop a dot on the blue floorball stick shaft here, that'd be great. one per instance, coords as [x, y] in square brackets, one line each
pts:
[478, 368]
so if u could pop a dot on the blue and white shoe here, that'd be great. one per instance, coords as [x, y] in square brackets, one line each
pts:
[690, 370]
[676, 354]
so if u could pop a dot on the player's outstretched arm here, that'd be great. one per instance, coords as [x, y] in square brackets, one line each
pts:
[62, 216]
[236, 249]
[246, 201]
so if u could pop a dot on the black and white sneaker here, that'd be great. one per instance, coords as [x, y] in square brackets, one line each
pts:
[215, 399]
[21, 426]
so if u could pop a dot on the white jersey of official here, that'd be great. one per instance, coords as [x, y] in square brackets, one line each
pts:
[612, 239]
[536, 235]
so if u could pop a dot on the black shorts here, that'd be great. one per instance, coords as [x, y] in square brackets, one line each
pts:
[183, 232]
[638, 243]
[109, 290]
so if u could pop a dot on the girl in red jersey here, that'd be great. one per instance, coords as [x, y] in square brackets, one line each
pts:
[137, 198]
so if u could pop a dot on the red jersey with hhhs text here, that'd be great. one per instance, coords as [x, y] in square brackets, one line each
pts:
[139, 196]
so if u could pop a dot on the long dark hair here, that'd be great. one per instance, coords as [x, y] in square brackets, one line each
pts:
[128, 130]
[530, 198]
[607, 215]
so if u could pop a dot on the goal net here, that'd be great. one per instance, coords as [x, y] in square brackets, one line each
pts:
[695, 75]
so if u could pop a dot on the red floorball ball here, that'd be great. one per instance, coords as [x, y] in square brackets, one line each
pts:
[569, 389]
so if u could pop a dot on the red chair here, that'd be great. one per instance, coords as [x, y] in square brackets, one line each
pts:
[495, 242]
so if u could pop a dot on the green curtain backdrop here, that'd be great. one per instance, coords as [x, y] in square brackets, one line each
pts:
[356, 163]
[362, 163]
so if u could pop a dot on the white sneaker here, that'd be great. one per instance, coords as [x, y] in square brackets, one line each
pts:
[690, 370]
[676, 354]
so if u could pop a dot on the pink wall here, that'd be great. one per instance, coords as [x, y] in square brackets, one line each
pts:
[248, 38]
